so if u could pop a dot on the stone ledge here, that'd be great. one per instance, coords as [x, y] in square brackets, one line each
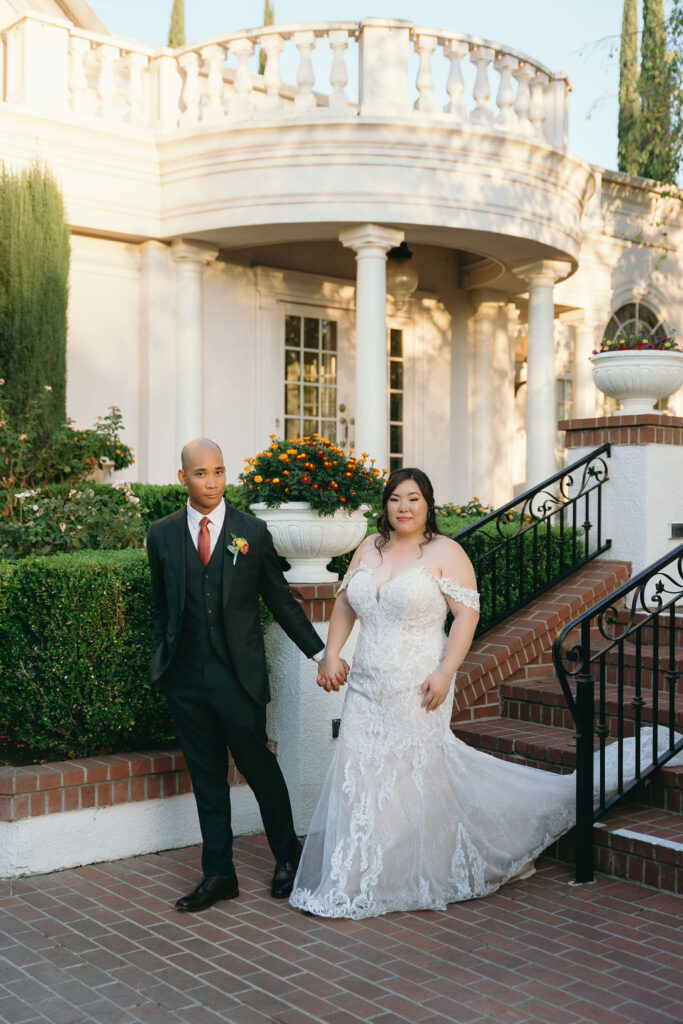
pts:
[96, 782]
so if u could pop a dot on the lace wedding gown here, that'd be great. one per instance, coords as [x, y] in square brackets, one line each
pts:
[409, 817]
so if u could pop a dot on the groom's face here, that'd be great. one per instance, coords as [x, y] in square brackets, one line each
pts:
[203, 474]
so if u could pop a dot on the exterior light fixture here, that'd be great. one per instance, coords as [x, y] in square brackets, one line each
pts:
[402, 277]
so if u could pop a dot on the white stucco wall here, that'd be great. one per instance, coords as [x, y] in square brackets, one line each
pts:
[52, 842]
[300, 718]
[103, 345]
[641, 500]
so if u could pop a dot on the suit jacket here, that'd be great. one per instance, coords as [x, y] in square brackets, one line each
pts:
[245, 578]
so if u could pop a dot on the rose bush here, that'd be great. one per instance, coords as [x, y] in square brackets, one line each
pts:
[81, 518]
[32, 453]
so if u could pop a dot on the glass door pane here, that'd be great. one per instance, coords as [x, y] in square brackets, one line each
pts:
[310, 376]
[396, 389]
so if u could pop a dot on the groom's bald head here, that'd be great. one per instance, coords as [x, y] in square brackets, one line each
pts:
[196, 451]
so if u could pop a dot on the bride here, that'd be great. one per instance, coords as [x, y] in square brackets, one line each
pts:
[411, 818]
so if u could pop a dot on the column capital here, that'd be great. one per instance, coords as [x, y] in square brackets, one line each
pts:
[543, 271]
[371, 236]
[200, 253]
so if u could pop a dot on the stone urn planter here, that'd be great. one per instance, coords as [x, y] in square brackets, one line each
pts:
[636, 378]
[308, 540]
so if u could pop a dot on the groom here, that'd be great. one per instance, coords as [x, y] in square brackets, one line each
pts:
[209, 564]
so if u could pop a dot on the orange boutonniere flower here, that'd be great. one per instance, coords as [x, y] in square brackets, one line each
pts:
[239, 546]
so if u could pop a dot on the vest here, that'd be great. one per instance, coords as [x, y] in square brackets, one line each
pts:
[202, 630]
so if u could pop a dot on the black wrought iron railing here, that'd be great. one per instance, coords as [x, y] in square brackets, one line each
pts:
[528, 545]
[620, 666]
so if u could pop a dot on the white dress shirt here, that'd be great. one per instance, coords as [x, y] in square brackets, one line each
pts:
[215, 517]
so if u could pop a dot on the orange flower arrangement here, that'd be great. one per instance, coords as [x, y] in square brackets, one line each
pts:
[318, 471]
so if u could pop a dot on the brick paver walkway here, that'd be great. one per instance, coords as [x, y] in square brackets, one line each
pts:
[102, 945]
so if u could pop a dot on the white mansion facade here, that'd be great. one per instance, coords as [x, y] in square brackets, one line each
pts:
[230, 237]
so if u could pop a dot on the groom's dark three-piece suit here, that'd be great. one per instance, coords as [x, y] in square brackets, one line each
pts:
[210, 660]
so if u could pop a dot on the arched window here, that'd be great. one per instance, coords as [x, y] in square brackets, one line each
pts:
[633, 318]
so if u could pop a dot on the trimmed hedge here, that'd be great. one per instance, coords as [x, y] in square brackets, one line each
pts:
[75, 646]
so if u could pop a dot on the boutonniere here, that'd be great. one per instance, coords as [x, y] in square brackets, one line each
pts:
[239, 546]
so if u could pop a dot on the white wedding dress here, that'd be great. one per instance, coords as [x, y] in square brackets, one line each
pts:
[409, 817]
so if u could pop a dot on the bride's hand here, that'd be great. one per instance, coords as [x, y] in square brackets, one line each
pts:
[332, 672]
[435, 689]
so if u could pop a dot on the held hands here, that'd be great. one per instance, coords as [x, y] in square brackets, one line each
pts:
[332, 672]
[435, 689]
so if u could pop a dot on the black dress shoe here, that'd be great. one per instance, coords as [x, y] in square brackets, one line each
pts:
[210, 890]
[283, 876]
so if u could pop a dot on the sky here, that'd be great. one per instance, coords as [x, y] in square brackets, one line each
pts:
[580, 38]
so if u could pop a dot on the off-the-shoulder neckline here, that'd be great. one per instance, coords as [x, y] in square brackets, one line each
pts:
[378, 590]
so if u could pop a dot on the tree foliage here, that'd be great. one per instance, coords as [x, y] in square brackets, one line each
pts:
[629, 95]
[34, 275]
[176, 32]
[659, 148]
[651, 99]
[268, 19]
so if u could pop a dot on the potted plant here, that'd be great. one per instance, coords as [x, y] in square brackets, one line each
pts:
[638, 370]
[313, 498]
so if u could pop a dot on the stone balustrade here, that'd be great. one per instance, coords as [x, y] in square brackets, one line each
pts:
[376, 68]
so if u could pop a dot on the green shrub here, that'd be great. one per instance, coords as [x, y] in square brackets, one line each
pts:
[88, 516]
[33, 453]
[75, 646]
[509, 577]
[159, 500]
[53, 520]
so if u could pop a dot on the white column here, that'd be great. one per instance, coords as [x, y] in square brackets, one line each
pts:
[371, 243]
[158, 455]
[190, 258]
[588, 330]
[541, 426]
[483, 396]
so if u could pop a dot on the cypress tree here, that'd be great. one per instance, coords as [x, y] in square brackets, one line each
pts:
[268, 19]
[34, 275]
[658, 151]
[176, 32]
[629, 97]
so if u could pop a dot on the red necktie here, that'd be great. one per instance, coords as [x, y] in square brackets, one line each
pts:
[204, 541]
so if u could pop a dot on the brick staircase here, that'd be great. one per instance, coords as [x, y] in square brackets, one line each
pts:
[510, 704]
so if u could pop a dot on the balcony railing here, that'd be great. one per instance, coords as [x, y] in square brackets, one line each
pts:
[375, 68]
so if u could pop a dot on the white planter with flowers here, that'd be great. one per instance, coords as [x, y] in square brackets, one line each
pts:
[308, 540]
[313, 496]
[638, 377]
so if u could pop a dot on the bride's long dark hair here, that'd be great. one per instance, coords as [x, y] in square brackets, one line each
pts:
[425, 486]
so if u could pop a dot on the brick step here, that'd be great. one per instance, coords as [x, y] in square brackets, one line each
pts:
[648, 662]
[554, 749]
[663, 629]
[528, 635]
[526, 743]
[542, 701]
[642, 844]
[541, 668]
